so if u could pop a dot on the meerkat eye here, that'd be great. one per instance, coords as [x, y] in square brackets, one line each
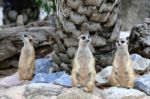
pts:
[83, 37]
[122, 41]
[25, 35]
[117, 41]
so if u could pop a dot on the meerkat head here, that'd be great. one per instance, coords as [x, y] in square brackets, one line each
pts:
[27, 39]
[122, 43]
[84, 40]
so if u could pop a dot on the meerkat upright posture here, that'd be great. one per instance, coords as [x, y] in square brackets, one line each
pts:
[122, 73]
[27, 59]
[83, 72]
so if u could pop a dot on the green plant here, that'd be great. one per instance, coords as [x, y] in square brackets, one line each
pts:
[47, 5]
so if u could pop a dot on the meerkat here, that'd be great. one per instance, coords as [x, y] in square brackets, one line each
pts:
[122, 73]
[83, 72]
[27, 59]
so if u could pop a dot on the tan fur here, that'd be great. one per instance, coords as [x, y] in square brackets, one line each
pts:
[83, 72]
[122, 73]
[27, 60]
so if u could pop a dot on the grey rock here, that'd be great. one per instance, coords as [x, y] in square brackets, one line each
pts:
[143, 83]
[97, 17]
[103, 76]
[71, 51]
[12, 15]
[10, 81]
[77, 18]
[93, 2]
[76, 93]
[112, 19]
[122, 93]
[139, 40]
[43, 65]
[85, 10]
[70, 42]
[140, 65]
[74, 4]
[92, 26]
[98, 41]
[64, 58]
[42, 91]
[65, 67]
[68, 26]
[5, 97]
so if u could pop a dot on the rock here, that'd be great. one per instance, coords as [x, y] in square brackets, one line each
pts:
[64, 58]
[92, 26]
[76, 33]
[103, 76]
[122, 93]
[93, 2]
[139, 40]
[97, 17]
[16, 92]
[9, 81]
[42, 91]
[106, 8]
[20, 20]
[140, 65]
[70, 42]
[71, 51]
[112, 19]
[12, 15]
[74, 4]
[5, 97]
[68, 26]
[84, 10]
[77, 18]
[46, 78]
[76, 93]
[64, 80]
[98, 41]
[65, 67]
[143, 83]
[43, 65]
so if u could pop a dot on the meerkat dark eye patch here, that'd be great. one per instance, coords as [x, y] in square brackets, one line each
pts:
[25, 35]
[122, 41]
[117, 41]
[83, 37]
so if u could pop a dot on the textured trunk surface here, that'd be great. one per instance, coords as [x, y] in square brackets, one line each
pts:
[99, 18]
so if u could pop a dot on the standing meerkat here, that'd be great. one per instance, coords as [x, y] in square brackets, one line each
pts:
[122, 73]
[27, 59]
[83, 72]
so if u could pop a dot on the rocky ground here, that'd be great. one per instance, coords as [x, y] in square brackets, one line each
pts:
[47, 85]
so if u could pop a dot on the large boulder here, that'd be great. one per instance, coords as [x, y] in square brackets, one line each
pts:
[103, 76]
[139, 40]
[76, 93]
[140, 65]
[122, 93]
[143, 83]
[42, 90]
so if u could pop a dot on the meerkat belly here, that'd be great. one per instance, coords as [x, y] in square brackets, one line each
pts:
[122, 69]
[84, 67]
